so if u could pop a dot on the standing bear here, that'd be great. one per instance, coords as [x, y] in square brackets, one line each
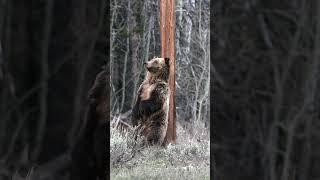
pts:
[151, 108]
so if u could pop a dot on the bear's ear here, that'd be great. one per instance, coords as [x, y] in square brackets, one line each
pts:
[167, 60]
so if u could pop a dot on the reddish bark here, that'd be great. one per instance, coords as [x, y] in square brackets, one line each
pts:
[167, 29]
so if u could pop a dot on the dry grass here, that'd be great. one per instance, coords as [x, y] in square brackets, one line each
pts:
[187, 159]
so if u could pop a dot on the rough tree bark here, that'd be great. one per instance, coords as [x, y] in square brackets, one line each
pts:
[167, 30]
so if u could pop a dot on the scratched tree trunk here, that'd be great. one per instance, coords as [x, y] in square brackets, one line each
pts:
[167, 30]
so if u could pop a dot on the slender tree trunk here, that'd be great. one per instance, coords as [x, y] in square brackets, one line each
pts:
[126, 56]
[135, 41]
[44, 77]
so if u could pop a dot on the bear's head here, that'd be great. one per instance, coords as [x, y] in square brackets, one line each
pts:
[157, 65]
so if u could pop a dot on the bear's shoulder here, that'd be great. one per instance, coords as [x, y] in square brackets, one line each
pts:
[161, 85]
[161, 88]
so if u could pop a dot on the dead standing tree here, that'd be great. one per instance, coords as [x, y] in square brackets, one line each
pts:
[167, 31]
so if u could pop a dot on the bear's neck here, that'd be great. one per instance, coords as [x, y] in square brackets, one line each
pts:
[153, 78]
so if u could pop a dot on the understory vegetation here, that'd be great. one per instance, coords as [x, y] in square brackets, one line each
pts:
[189, 158]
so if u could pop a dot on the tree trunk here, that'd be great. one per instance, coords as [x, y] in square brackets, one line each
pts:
[167, 30]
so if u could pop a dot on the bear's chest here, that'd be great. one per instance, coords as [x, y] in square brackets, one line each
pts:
[146, 91]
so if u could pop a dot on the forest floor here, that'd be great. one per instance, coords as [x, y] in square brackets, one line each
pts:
[189, 158]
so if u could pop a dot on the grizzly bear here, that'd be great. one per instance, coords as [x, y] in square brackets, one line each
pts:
[151, 107]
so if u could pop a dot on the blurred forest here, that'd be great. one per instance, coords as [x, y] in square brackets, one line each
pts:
[135, 39]
[50, 53]
[266, 89]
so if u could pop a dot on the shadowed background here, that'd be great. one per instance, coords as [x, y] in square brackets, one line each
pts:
[266, 89]
[50, 54]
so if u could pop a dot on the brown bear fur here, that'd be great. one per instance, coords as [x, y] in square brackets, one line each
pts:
[150, 111]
